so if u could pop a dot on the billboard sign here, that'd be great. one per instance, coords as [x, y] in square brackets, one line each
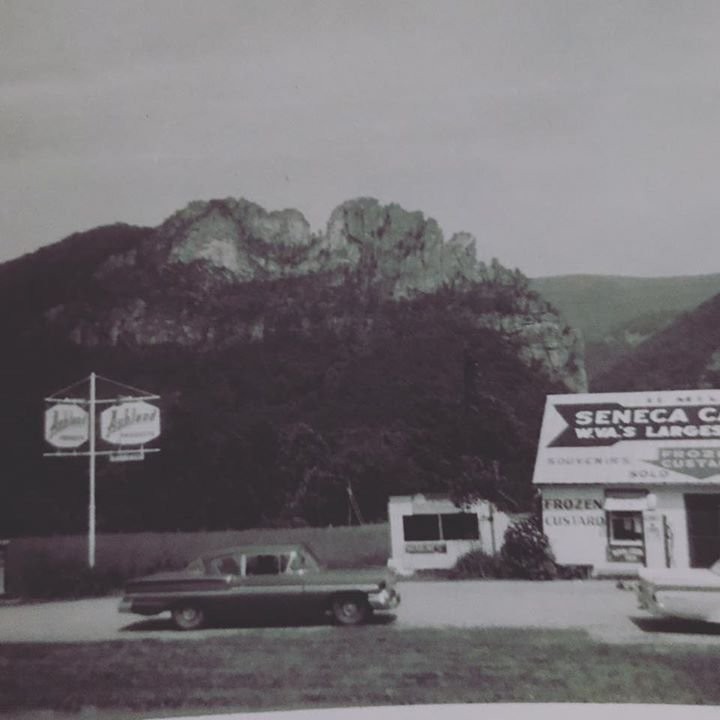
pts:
[605, 438]
[130, 423]
[66, 425]
[600, 424]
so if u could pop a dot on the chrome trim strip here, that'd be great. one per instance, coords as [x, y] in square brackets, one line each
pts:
[241, 590]
[685, 588]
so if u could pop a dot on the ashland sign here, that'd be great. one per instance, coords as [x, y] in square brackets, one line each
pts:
[630, 436]
[131, 423]
[66, 425]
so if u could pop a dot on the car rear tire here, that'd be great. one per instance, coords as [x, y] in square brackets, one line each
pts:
[350, 609]
[188, 617]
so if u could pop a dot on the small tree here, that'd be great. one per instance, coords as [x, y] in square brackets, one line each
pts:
[526, 552]
[480, 479]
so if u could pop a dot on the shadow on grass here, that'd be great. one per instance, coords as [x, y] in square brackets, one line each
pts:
[676, 625]
[165, 624]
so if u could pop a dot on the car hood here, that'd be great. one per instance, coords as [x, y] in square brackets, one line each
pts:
[680, 577]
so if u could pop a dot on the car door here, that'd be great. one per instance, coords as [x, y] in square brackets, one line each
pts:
[273, 583]
[232, 599]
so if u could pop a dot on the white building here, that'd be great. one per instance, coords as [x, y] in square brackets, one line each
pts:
[631, 479]
[429, 532]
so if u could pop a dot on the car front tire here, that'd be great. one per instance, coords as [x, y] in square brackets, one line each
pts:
[188, 617]
[350, 609]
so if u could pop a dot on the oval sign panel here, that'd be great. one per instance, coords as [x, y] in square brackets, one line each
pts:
[130, 423]
[66, 425]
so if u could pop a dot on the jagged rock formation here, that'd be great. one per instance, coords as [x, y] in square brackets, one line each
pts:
[208, 255]
[402, 253]
[237, 236]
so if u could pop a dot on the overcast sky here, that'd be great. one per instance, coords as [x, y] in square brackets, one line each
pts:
[566, 136]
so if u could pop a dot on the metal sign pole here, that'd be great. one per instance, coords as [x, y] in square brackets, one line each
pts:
[91, 454]
[128, 424]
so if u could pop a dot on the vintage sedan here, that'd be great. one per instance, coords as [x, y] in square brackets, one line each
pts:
[692, 593]
[281, 579]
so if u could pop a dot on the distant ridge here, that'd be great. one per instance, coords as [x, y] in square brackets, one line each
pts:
[598, 304]
[684, 355]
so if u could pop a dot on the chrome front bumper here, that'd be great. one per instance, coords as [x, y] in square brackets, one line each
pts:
[647, 599]
[142, 606]
[384, 600]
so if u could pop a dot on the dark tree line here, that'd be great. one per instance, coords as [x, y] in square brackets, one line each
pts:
[343, 390]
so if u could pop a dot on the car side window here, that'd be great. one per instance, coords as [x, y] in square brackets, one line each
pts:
[227, 565]
[296, 562]
[262, 565]
[196, 566]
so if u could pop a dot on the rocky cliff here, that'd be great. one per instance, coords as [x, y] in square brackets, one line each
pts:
[398, 252]
[224, 271]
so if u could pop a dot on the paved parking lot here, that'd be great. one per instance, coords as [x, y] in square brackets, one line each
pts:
[606, 612]
[598, 607]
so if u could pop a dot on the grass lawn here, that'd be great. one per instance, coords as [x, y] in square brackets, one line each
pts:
[280, 668]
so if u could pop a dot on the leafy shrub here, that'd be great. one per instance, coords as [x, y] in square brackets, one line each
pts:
[477, 564]
[574, 572]
[526, 552]
[46, 577]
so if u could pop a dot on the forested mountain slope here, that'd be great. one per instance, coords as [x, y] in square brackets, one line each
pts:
[291, 364]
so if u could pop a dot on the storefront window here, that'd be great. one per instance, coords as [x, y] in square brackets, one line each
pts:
[450, 526]
[460, 526]
[625, 528]
[421, 527]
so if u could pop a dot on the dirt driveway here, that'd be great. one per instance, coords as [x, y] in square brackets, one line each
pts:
[606, 612]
